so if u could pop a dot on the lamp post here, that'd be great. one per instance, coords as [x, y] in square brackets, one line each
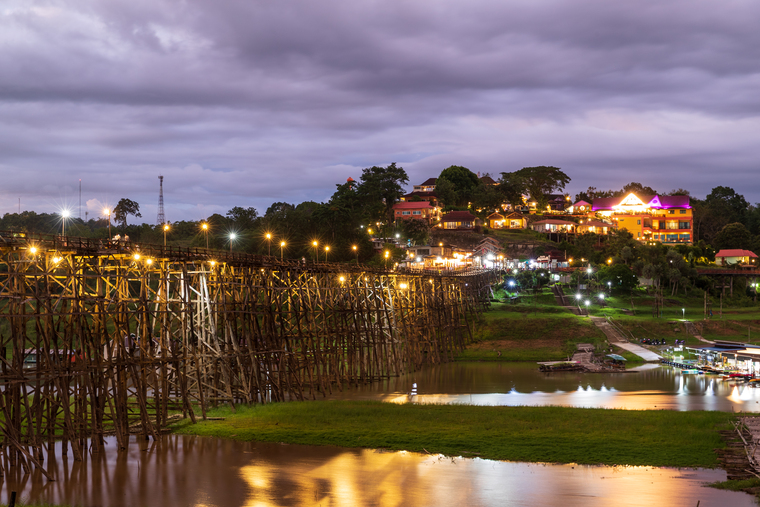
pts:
[282, 246]
[64, 215]
[356, 252]
[269, 244]
[204, 226]
[327, 249]
[578, 301]
[587, 303]
[387, 254]
[316, 251]
[232, 238]
[107, 213]
[684, 313]
[166, 229]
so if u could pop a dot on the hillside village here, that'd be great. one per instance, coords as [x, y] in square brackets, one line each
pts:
[552, 231]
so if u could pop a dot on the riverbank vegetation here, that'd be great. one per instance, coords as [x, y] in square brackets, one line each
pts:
[531, 434]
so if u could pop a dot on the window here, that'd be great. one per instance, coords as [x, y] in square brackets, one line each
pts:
[671, 224]
[661, 224]
[684, 225]
[671, 212]
[685, 237]
[671, 238]
[638, 234]
[404, 212]
[638, 222]
[423, 251]
[416, 213]
[683, 211]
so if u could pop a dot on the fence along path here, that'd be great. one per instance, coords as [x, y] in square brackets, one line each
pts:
[106, 338]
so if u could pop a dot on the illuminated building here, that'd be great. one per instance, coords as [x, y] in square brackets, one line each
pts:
[666, 219]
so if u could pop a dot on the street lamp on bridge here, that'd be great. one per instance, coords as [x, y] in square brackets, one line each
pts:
[64, 215]
[204, 226]
[107, 213]
[282, 246]
[232, 239]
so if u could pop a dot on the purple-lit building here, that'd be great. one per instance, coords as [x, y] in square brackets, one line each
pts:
[660, 218]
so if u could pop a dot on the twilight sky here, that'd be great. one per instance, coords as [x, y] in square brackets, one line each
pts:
[247, 102]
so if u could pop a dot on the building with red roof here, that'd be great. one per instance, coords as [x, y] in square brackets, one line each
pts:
[735, 256]
[422, 210]
[458, 220]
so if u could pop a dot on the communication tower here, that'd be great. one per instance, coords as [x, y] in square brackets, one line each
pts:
[161, 219]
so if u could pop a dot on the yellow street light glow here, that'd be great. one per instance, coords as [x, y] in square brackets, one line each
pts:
[213, 263]
[314, 243]
[33, 250]
[369, 231]
[166, 227]
[269, 236]
[106, 211]
[149, 261]
[387, 253]
[402, 286]
[282, 243]
[56, 260]
[327, 249]
[137, 257]
[342, 279]
[353, 248]
[204, 226]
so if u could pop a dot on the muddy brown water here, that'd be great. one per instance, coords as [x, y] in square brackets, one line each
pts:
[196, 471]
[200, 471]
[650, 386]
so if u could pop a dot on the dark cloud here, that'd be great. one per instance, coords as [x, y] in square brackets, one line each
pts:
[250, 102]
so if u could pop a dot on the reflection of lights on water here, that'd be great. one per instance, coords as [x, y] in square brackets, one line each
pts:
[735, 396]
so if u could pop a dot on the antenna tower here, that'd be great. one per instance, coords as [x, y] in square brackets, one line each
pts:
[161, 219]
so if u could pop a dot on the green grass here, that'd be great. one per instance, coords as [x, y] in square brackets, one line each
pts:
[531, 434]
[527, 333]
[743, 485]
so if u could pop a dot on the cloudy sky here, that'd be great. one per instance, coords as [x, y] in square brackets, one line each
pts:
[247, 102]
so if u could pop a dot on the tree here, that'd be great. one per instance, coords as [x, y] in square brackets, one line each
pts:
[487, 197]
[123, 209]
[416, 230]
[380, 189]
[244, 218]
[446, 192]
[512, 187]
[734, 235]
[541, 181]
[636, 188]
[465, 182]
[724, 201]
[619, 276]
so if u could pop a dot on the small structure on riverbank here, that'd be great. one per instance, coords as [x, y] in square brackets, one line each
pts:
[584, 360]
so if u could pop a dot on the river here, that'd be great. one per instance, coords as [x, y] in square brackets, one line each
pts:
[195, 471]
[647, 387]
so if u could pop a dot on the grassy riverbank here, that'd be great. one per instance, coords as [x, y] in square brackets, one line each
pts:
[526, 333]
[533, 434]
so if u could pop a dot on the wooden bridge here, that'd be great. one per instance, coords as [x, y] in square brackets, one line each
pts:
[102, 338]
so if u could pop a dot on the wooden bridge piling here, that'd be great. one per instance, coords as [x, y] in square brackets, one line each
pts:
[121, 334]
